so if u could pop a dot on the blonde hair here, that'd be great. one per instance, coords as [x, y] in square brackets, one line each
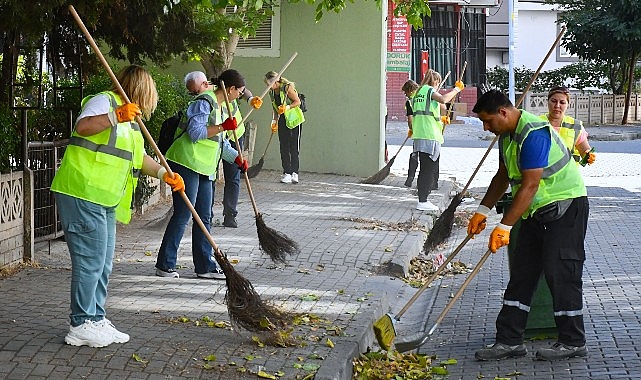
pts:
[431, 77]
[140, 87]
[272, 74]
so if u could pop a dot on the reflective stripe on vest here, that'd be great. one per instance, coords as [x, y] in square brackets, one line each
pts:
[426, 124]
[103, 168]
[561, 178]
[569, 131]
[200, 156]
[235, 110]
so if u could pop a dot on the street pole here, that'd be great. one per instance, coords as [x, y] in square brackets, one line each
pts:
[512, 15]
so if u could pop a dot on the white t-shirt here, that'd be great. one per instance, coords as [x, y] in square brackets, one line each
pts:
[97, 105]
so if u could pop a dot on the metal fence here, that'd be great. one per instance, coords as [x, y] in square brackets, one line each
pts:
[44, 159]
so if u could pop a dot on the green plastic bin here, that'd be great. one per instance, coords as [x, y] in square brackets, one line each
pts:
[540, 322]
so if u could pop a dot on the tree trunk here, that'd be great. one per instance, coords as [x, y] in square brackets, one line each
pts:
[219, 59]
[628, 93]
[8, 62]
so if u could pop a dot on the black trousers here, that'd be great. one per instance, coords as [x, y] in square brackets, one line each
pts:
[557, 250]
[427, 176]
[289, 146]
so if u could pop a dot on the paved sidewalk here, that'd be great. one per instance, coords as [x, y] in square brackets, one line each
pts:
[355, 241]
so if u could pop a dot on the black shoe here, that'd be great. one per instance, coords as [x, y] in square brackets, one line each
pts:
[560, 351]
[408, 181]
[499, 351]
[230, 221]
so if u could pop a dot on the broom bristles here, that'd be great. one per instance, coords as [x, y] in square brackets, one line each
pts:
[253, 170]
[276, 244]
[384, 331]
[244, 305]
[442, 228]
[380, 175]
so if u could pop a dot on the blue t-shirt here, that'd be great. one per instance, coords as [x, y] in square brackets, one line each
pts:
[536, 149]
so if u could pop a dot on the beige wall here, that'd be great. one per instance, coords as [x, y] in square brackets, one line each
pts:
[340, 68]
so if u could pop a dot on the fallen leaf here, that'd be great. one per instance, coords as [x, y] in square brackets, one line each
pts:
[265, 375]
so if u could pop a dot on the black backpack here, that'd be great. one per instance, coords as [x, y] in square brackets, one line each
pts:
[303, 104]
[167, 134]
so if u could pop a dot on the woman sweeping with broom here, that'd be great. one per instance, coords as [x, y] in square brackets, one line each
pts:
[427, 134]
[194, 155]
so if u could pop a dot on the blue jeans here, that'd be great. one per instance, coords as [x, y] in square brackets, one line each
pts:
[198, 189]
[232, 183]
[90, 232]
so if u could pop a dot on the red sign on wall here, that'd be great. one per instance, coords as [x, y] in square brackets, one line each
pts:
[398, 43]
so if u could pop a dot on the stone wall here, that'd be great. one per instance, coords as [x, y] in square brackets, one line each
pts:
[11, 219]
[590, 109]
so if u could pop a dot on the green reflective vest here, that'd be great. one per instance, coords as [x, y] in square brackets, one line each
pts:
[200, 156]
[103, 168]
[561, 178]
[569, 131]
[426, 122]
[293, 117]
[235, 111]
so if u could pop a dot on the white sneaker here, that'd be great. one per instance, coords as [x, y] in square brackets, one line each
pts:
[426, 206]
[216, 274]
[108, 328]
[88, 334]
[294, 177]
[286, 178]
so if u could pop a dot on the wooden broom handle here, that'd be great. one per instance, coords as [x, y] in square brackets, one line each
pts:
[432, 277]
[240, 153]
[520, 100]
[144, 130]
[269, 85]
[460, 78]
[467, 281]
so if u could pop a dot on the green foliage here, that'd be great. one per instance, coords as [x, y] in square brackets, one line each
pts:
[607, 31]
[581, 75]
[9, 139]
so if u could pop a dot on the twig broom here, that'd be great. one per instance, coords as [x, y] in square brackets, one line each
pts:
[240, 296]
[442, 227]
[276, 244]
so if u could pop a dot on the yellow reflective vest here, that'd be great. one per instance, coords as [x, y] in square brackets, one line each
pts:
[561, 178]
[569, 131]
[103, 168]
[426, 120]
[200, 156]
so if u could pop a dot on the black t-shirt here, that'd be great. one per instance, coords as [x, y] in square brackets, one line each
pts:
[408, 108]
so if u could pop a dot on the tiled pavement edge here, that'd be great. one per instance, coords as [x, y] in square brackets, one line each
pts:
[351, 245]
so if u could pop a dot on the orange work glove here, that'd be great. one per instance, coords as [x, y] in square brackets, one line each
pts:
[230, 124]
[124, 113]
[477, 223]
[499, 237]
[177, 183]
[409, 133]
[282, 108]
[445, 120]
[255, 102]
[459, 85]
[591, 157]
[274, 126]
